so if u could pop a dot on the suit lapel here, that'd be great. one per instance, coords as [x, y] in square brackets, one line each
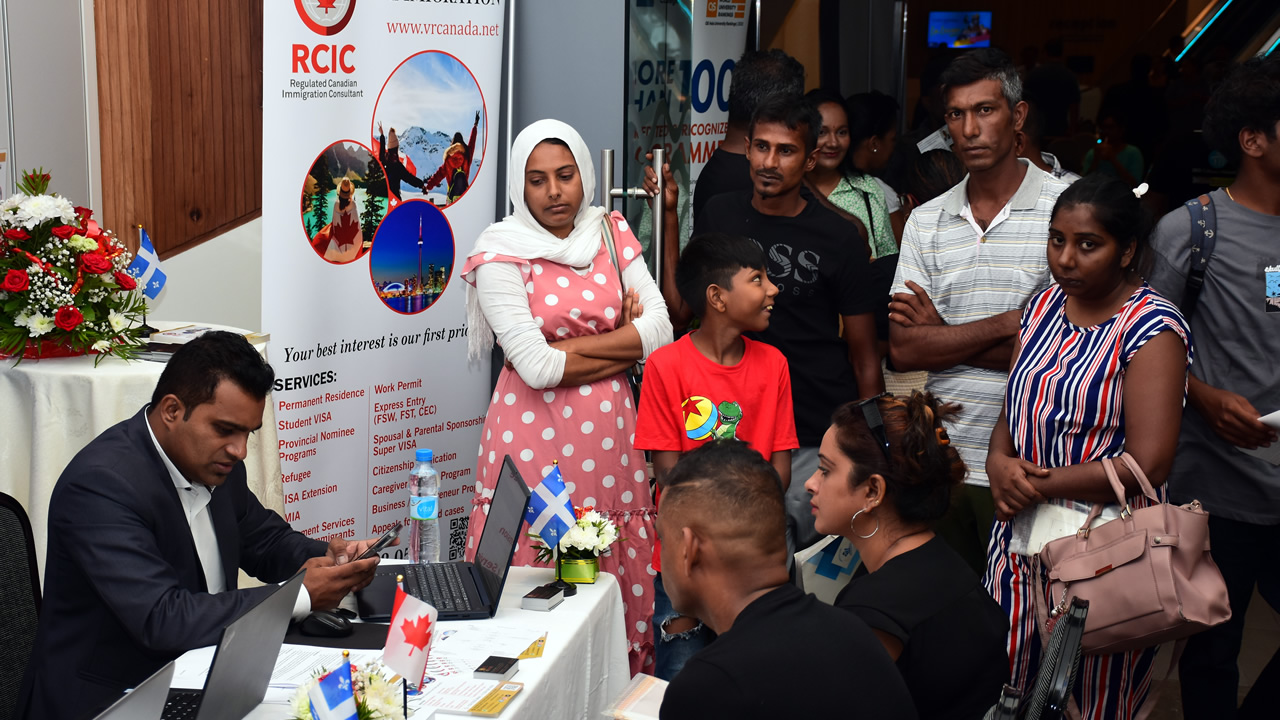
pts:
[226, 529]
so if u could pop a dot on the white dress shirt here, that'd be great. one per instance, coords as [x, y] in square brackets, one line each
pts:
[195, 502]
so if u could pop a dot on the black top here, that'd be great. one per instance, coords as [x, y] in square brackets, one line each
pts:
[724, 172]
[953, 634]
[789, 655]
[818, 261]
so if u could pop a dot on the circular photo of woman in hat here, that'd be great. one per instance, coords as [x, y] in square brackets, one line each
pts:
[344, 198]
[412, 257]
[429, 129]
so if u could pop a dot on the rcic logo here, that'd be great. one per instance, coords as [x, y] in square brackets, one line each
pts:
[325, 17]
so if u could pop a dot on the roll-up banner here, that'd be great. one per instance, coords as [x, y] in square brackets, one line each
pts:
[378, 175]
[681, 62]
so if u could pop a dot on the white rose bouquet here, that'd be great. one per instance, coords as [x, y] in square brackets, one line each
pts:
[587, 538]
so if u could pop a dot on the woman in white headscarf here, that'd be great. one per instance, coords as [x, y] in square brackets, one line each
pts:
[542, 282]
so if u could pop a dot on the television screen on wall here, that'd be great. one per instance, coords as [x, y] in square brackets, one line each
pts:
[960, 29]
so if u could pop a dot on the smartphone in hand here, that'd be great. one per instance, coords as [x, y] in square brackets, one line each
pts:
[382, 542]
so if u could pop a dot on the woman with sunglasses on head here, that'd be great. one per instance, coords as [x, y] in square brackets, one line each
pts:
[885, 474]
[1100, 369]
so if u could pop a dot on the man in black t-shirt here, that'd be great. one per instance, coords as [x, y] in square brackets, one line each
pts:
[757, 76]
[818, 261]
[779, 653]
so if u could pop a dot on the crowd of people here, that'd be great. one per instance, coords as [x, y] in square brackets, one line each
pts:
[1030, 291]
[1055, 330]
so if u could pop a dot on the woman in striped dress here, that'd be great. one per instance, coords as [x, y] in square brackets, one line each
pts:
[1101, 369]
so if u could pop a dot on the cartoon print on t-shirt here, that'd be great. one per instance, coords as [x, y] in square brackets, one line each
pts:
[703, 419]
[1272, 274]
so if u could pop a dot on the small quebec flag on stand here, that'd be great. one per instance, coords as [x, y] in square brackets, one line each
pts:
[550, 511]
[146, 267]
[333, 698]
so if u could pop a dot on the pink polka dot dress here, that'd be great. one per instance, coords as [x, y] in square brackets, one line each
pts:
[589, 429]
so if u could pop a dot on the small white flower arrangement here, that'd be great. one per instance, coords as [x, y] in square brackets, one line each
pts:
[587, 538]
[377, 698]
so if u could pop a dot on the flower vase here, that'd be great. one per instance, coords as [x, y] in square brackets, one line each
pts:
[579, 571]
[41, 349]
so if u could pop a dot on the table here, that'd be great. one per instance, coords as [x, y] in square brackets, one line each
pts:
[583, 668]
[54, 407]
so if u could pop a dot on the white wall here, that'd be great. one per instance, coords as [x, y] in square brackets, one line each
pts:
[218, 281]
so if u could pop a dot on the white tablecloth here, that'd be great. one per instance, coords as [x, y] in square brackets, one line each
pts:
[52, 408]
[583, 667]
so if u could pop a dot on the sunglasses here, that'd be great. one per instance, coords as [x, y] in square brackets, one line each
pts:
[875, 422]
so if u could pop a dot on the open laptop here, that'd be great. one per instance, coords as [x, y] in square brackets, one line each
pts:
[242, 662]
[460, 590]
[144, 702]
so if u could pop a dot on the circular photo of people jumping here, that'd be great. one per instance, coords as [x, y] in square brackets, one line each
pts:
[412, 257]
[429, 129]
[344, 198]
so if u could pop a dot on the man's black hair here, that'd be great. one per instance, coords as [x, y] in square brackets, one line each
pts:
[759, 75]
[728, 480]
[713, 259]
[1248, 98]
[196, 369]
[984, 64]
[1033, 124]
[791, 113]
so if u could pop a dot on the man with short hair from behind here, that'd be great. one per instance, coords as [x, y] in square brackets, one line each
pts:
[148, 526]
[822, 318]
[779, 653]
[970, 260]
[1236, 326]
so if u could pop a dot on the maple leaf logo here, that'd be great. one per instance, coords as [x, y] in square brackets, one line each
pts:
[417, 632]
[326, 6]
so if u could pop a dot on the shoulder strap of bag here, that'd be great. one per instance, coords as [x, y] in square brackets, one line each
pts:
[607, 222]
[1204, 229]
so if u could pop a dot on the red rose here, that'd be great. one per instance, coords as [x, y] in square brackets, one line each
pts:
[83, 214]
[125, 281]
[62, 232]
[68, 318]
[17, 234]
[15, 281]
[95, 262]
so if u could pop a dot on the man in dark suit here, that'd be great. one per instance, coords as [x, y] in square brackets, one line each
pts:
[148, 526]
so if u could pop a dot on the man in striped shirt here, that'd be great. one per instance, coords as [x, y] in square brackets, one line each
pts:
[970, 260]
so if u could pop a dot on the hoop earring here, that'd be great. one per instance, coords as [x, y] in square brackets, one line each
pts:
[855, 530]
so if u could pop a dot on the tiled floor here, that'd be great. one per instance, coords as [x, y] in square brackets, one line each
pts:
[1261, 638]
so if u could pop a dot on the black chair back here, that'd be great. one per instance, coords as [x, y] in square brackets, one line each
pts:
[19, 601]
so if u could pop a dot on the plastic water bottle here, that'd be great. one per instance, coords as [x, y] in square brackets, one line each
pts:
[424, 510]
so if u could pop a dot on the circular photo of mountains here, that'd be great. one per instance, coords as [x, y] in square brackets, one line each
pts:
[429, 129]
[344, 198]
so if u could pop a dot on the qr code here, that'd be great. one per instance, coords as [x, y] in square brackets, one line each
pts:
[458, 537]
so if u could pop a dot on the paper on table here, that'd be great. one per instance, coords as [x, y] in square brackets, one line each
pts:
[294, 665]
[1270, 454]
[455, 693]
[471, 643]
[641, 699]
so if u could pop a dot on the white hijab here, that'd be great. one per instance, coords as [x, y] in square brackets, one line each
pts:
[519, 234]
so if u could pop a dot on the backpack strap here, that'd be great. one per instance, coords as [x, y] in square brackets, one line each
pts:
[1204, 228]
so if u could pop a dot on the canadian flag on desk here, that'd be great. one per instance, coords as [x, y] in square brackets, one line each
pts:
[413, 624]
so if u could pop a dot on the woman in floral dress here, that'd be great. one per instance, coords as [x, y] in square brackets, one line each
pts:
[543, 283]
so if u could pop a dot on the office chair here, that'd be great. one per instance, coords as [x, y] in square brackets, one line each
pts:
[19, 601]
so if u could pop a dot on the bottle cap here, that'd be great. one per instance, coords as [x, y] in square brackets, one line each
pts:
[423, 455]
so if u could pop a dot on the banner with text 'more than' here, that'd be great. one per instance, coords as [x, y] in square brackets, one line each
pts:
[378, 175]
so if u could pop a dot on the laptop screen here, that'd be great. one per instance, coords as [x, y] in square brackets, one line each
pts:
[502, 527]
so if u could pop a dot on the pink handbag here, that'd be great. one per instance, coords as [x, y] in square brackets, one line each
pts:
[1147, 575]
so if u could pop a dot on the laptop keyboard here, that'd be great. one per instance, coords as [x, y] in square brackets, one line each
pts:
[181, 704]
[440, 585]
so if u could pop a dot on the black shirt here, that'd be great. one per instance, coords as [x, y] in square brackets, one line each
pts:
[953, 634]
[788, 655]
[724, 172]
[817, 260]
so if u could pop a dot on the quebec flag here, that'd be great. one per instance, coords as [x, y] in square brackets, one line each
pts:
[550, 510]
[146, 267]
[332, 698]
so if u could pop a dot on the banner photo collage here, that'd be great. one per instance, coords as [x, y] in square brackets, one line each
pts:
[377, 177]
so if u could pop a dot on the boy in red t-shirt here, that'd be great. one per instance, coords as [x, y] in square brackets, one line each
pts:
[714, 383]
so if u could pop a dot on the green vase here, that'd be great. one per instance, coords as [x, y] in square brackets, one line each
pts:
[579, 572]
